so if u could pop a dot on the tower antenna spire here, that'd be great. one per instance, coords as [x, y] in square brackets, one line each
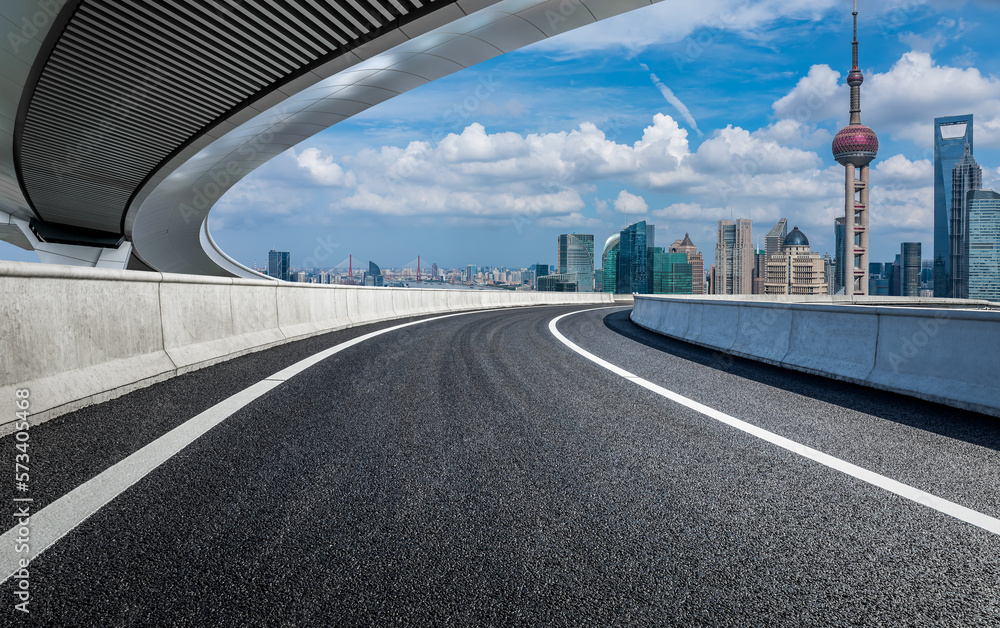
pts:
[855, 147]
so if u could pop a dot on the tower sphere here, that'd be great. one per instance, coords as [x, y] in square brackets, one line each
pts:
[855, 79]
[855, 144]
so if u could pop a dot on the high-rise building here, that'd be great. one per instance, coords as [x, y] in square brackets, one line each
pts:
[775, 238]
[952, 135]
[279, 265]
[559, 282]
[576, 257]
[734, 257]
[470, 274]
[695, 258]
[374, 275]
[435, 272]
[796, 270]
[909, 271]
[855, 147]
[984, 245]
[632, 263]
[669, 273]
[840, 268]
[966, 176]
[759, 271]
[609, 263]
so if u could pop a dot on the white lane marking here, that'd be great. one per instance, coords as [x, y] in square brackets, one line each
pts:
[939, 504]
[57, 519]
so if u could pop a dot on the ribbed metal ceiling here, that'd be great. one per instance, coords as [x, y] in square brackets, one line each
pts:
[131, 82]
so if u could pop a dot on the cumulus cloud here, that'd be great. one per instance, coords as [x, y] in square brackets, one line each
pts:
[323, 169]
[903, 101]
[628, 203]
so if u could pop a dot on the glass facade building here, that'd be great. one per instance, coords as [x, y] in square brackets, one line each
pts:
[910, 267]
[840, 268]
[984, 245]
[279, 265]
[669, 273]
[951, 136]
[633, 277]
[609, 263]
[576, 257]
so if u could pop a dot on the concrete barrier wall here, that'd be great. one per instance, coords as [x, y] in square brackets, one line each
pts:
[934, 352]
[76, 336]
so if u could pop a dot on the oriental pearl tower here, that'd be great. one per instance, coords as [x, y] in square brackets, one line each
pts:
[855, 147]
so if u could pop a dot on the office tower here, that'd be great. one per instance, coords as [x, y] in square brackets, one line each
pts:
[576, 257]
[470, 274]
[840, 268]
[279, 265]
[609, 263]
[435, 272]
[558, 282]
[695, 258]
[909, 272]
[759, 271]
[855, 147]
[952, 135]
[796, 270]
[828, 269]
[775, 238]
[374, 275]
[669, 273]
[632, 264]
[984, 245]
[966, 176]
[599, 280]
[895, 271]
[734, 257]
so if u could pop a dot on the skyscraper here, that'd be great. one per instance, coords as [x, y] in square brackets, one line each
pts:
[951, 137]
[855, 147]
[695, 258]
[279, 265]
[374, 275]
[909, 272]
[839, 267]
[669, 273]
[984, 245]
[609, 263]
[966, 176]
[734, 257]
[632, 263]
[576, 257]
[775, 238]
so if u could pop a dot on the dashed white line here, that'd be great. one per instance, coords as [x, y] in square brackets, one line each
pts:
[976, 518]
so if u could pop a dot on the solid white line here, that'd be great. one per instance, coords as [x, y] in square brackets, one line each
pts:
[944, 506]
[57, 519]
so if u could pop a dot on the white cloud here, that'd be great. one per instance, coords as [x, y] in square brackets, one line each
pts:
[689, 211]
[902, 102]
[631, 204]
[323, 169]
[676, 102]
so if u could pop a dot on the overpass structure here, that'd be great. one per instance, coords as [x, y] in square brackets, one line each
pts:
[122, 124]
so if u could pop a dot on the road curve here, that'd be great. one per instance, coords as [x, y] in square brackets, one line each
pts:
[474, 470]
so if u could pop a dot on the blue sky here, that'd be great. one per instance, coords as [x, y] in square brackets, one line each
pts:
[488, 166]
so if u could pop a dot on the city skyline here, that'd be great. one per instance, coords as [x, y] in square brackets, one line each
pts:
[471, 154]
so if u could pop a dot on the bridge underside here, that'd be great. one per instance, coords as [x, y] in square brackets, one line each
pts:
[131, 120]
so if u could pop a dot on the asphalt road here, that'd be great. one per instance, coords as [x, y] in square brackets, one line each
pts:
[475, 471]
